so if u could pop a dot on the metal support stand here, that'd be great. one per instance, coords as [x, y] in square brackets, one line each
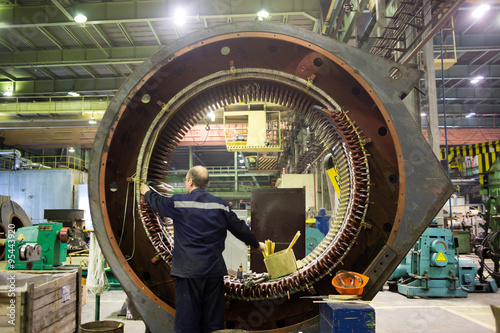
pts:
[97, 307]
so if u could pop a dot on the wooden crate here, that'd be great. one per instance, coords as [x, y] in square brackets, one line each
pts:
[43, 301]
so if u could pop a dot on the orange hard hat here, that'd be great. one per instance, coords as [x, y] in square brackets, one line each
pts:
[349, 283]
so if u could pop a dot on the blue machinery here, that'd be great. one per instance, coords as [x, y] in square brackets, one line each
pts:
[433, 269]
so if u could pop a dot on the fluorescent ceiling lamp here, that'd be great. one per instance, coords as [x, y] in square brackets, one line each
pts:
[263, 14]
[80, 18]
[476, 79]
[74, 94]
[71, 149]
[472, 114]
[92, 121]
[7, 93]
[423, 114]
[480, 10]
[180, 17]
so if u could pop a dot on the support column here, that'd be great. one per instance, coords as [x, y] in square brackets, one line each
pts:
[430, 89]
[412, 101]
[236, 189]
[381, 22]
[190, 157]
[296, 154]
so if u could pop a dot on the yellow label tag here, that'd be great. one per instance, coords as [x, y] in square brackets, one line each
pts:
[334, 178]
[441, 257]
[21, 237]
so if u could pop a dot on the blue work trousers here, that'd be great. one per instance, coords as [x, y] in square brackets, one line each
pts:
[199, 305]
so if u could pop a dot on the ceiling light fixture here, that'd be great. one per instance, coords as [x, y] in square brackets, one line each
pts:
[476, 79]
[71, 150]
[180, 17]
[423, 114]
[80, 18]
[7, 93]
[480, 10]
[92, 120]
[262, 14]
[73, 94]
[211, 115]
[472, 114]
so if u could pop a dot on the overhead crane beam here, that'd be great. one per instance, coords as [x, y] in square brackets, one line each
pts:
[105, 85]
[76, 57]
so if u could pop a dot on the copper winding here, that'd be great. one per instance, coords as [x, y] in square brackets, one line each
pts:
[335, 130]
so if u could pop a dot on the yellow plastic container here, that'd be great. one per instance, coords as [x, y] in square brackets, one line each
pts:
[280, 263]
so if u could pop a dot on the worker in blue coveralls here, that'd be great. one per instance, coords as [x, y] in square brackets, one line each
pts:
[201, 221]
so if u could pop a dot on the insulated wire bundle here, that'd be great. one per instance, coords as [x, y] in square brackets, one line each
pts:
[269, 248]
[297, 235]
[97, 282]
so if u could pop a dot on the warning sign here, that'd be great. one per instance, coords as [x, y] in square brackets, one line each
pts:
[441, 257]
[20, 237]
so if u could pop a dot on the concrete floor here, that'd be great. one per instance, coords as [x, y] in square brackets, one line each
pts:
[394, 313]
[397, 313]
[111, 304]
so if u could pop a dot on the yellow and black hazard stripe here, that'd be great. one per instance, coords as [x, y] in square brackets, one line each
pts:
[486, 153]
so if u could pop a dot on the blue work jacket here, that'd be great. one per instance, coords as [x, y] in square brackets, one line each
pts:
[201, 221]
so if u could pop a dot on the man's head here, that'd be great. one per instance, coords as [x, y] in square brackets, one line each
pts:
[197, 177]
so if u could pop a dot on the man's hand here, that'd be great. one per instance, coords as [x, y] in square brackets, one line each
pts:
[262, 246]
[144, 188]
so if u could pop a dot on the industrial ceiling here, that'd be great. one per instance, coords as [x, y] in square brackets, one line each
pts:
[45, 54]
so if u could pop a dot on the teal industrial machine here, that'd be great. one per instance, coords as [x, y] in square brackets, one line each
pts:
[489, 248]
[40, 247]
[313, 238]
[432, 268]
[314, 235]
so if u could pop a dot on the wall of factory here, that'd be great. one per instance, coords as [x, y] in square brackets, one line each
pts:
[37, 190]
[298, 181]
[81, 201]
[235, 251]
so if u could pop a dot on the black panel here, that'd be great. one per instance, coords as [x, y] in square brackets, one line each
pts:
[63, 214]
[277, 214]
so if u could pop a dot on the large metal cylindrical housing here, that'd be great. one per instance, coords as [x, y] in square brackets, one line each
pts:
[392, 184]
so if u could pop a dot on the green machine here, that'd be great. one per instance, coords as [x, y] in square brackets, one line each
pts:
[41, 247]
[490, 245]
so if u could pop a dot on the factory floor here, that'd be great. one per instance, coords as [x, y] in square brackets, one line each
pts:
[394, 313]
